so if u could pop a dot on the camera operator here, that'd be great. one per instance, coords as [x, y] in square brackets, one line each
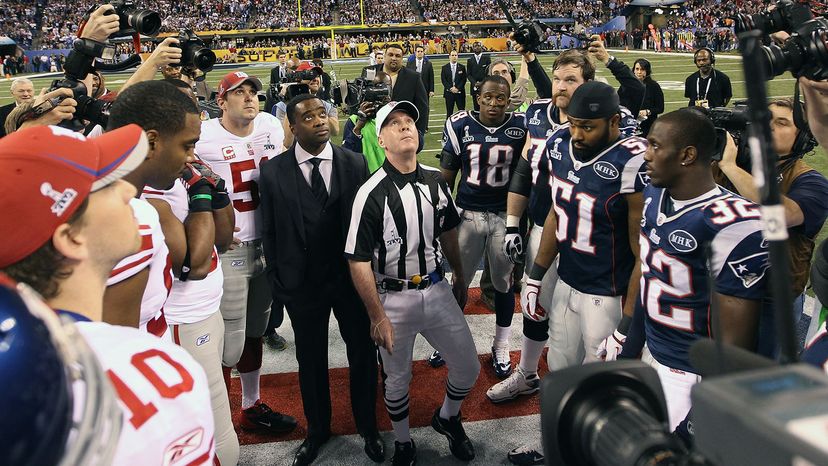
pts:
[277, 75]
[707, 87]
[314, 85]
[325, 91]
[804, 191]
[519, 84]
[360, 129]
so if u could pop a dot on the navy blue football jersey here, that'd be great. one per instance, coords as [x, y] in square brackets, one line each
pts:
[542, 120]
[675, 291]
[485, 156]
[816, 351]
[591, 210]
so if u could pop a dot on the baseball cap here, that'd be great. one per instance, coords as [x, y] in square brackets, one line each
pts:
[402, 105]
[306, 65]
[593, 100]
[50, 171]
[235, 79]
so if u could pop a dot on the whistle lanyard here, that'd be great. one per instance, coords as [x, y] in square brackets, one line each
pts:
[707, 90]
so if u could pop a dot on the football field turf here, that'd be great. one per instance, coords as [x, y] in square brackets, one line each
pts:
[670, 70]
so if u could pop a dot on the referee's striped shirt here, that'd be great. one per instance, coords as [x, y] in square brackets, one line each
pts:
[397, 219]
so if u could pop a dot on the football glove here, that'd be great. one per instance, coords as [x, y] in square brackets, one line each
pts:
[513, 245]
[609, 349]
[200, 182]
[529, 301]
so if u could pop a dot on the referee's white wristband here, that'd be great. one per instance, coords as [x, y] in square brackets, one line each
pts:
[512, 221]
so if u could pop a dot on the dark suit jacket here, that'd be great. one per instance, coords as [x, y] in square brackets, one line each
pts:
[477, 71]
[5, 110]
[427, 75]
[409, 86]
[459, 78]
[283, 231]
[274, 74]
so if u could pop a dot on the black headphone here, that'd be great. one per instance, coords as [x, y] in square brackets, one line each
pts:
[709, 50]
[805, 141]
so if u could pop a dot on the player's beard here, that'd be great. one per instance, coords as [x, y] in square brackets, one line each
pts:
[589, 152]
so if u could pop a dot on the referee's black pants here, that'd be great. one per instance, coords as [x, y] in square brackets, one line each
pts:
[309, 312]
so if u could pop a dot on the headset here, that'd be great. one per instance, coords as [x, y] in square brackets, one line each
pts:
[509, 66]
[709, 50]
[805, 141]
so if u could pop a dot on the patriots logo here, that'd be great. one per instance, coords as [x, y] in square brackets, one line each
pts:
[750, 269]
[644, 178]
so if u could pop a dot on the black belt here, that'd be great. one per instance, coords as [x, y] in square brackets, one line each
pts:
[417, 282]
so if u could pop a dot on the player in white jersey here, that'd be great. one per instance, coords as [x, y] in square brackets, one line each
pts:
[72, 225]
[144, 280]
[235, 146]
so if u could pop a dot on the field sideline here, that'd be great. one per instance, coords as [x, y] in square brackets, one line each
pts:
[669, 70]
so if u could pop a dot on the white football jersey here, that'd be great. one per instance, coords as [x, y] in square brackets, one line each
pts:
[155, 255]
[237, 160]
[162, 391]
[193, 300]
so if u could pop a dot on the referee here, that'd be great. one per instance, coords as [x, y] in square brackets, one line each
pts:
[401, 216]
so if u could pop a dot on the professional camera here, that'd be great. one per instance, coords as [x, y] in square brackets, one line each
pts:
[734, 120]
[78, 65]
[352, 94]
[134, 20]
[291, 85]
[805, 53]
[194, 54]
[529, 34]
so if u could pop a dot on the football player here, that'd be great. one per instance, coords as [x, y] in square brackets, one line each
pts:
[235, 146]
[482, 146]
[139, 285]
[596, 180]
[72, 224]
[693, 229]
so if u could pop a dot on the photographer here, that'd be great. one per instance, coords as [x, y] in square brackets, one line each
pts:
[360, 129]
[803, 191]
[47, 109]
[816, 98]
[309, 76]
[519, 84]
[166, 54]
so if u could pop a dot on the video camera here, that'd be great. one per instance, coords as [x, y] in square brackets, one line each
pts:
[352, 94]
[747, 410]
[805, 53]
[291, 85]
[734, 120]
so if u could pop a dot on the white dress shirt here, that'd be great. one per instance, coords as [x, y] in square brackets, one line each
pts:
[325, 167]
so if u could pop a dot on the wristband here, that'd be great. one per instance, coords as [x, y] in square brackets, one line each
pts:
[201, 203]
[510, 230]
[624, 325]
[512, 221]
[537, 272]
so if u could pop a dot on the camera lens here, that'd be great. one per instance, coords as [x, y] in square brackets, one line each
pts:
[204, 59]
[780, 59]
[145, 22]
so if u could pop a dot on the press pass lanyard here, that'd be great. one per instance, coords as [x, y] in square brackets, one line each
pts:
[707, 90]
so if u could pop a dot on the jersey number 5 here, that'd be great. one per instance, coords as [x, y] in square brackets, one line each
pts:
[240, 186]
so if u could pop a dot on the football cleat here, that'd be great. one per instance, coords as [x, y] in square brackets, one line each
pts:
[405, 454]
[261, 417]
[459, 443]
[436, 360]
[530, 454]
[501, 363]
[517, 384]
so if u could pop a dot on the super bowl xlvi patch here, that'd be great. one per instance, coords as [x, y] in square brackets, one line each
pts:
[237, 263]
[515, 133]
[554, 152]
[535, 120]
[202, 339]
[605, 170]
[466, 136]
[63, 199]
[394, 238]
[750, 269]
[682, 241]
[269, 145]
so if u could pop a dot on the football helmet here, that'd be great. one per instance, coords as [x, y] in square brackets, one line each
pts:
[59, 405]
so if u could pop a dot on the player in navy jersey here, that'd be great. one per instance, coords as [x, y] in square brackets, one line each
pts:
[530, 187]
[686, 214]
[484, 146]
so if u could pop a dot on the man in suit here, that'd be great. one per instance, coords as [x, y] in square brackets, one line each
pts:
[476, 67]
[453, 76]
[422, 65]
[406, 84]
[277, 74]
[306, 195]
